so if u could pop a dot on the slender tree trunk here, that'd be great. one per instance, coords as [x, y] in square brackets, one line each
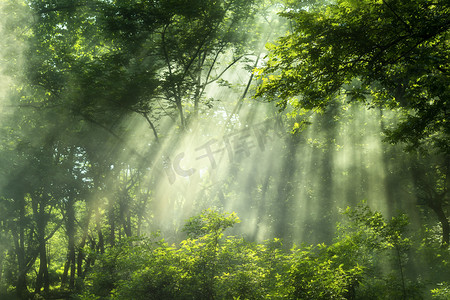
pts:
[70, 228]
[89, 259]
[80, 248]
[2, 255]
[141, 211]
[112, 225]
[127, 226]
[69, 266]
[71, 241]
[65, 272]
[238, 105]
[180, 110]
[152, 126]
[125, 217]
[22, 277]
[42, 279]
[21, 286]
[21, 281]
[80, 257]
[101, 240]
[400, 267]
[198, 89]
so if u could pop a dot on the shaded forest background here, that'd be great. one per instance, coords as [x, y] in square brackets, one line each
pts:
[226, 149]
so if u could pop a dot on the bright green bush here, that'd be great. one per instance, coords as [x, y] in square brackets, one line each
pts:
[442, 292]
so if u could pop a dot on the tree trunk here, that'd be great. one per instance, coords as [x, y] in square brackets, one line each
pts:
[42, 279]
[127, 225]
[445, 225]
[21, 286]
[70, 228]
[21, 281]
[2, 255]
[80, 257]
[65, 272]
[112, 224]
[180, 110]
[24, 264]
[101, 242]
[71, 241]
[125, 214]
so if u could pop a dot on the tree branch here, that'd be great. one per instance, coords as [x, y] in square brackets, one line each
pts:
[151, 125]
[408, 28]
[226, 69]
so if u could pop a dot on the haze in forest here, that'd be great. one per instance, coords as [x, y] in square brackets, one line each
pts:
[224, 149]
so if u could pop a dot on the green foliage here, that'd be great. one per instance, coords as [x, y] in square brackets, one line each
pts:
[379, 233]
[135, 267]
[74, 194]
[367, 261]
[209, 222]
[314, 274]
[388, 54]
[151, 269]
[383, 248]
[442, 292]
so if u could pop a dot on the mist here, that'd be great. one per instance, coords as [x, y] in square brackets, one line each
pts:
[153, 142]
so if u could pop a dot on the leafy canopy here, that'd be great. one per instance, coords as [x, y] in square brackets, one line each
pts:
[391, 54]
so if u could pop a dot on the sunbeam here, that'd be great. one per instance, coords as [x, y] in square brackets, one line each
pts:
[224, 149]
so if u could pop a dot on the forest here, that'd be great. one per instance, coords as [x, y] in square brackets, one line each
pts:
[224, 149]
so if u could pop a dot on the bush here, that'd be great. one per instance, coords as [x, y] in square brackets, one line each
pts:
[367, 260]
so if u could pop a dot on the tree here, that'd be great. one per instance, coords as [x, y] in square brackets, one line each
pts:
[431, 179]
[388, 54]
[391, 55]
[191, 44]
